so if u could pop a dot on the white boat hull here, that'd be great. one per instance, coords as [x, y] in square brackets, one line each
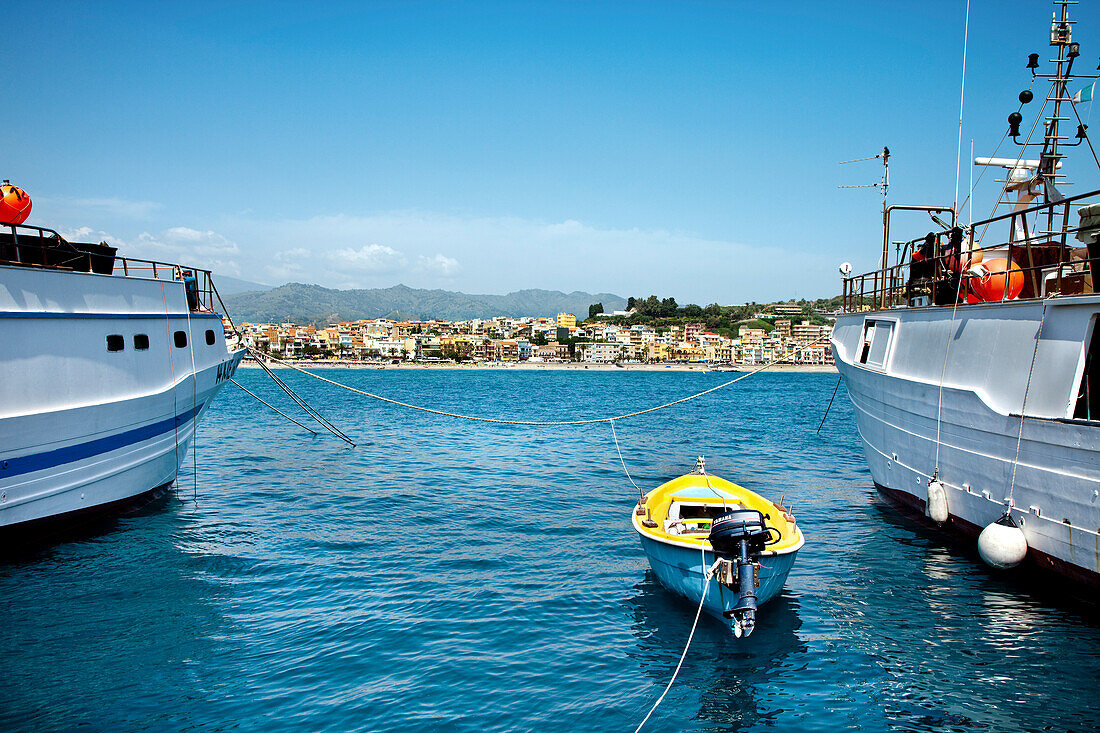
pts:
[988, 358]
[84, 428]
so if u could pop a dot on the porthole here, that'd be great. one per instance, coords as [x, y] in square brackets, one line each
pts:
[209, 337]
[115, 342]
[180, 338]
[141, 341]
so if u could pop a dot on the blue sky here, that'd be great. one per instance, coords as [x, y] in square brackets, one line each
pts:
[687, 149]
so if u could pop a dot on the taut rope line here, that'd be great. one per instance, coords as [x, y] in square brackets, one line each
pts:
[1023, 407]
[305, 406]
[837, 387]
[695, 624]
[543, 423]
[947, 346]
[641, 494]
[172, 367]
[276, 409]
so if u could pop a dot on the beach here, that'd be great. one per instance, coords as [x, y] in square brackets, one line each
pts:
[546, 366]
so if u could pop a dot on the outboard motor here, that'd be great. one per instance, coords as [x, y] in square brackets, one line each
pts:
[739, 536]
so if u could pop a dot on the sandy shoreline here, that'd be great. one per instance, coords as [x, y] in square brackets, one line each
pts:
[547, 366]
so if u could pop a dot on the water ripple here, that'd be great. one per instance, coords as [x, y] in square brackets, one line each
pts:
[459, 577]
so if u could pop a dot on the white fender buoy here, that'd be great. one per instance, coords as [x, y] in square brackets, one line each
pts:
[1002, 544]
[935, 506]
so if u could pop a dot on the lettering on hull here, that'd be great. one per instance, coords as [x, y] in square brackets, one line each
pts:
[225, 371]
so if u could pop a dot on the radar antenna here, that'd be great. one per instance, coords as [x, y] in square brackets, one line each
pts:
[883, 185]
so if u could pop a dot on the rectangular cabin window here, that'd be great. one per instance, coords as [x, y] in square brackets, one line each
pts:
[115, 342]
[875, 347]
[209, 337]
[180, 338]
[141, 341]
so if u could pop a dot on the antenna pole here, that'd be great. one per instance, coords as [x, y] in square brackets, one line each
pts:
[962, 96]
[970, 196]
[885, 217]
[884, 186]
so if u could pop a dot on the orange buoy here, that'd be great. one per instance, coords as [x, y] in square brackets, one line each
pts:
[15, 204]
[969, 258]
[992, 283]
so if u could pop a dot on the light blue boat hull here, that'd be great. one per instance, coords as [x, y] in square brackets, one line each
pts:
[683, 570]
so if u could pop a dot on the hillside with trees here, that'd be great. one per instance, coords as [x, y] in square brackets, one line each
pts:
[721, 319]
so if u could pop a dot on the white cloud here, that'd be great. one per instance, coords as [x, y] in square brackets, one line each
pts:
[441, 264]
[177, 245]
[502, 254]
[288, 264]
[87, 234]
[201, 248]
[487, 255]
[370, 258]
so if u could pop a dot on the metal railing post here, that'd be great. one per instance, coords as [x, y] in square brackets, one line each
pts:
[1062, 247]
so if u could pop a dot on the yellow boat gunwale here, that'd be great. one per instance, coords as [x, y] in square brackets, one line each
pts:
[661, 498]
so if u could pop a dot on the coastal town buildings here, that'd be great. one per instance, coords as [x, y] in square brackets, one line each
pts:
[507, 339]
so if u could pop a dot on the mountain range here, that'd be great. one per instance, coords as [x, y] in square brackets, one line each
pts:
[314, 305]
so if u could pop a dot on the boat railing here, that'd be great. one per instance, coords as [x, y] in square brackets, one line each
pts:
[1047, 258]
[38, 247]
[201, 297]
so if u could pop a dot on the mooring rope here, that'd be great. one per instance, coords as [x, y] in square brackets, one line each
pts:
[305, 406]
[540, 423]
[175, 406]
[194, 400]
[701, 466]
[694, 625]
[276, 409]
[1023, 407]
[947, 345]
[641, 494]
[830, 406]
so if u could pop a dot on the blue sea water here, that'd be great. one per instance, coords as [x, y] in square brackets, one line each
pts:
[453, 576]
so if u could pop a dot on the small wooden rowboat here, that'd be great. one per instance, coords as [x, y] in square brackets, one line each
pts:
[705, 535]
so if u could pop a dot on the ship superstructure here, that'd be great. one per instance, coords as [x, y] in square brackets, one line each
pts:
[971, 356]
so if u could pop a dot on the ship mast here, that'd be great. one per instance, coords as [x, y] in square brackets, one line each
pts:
[1054, 142]
[1061, 34]
[1060, 37]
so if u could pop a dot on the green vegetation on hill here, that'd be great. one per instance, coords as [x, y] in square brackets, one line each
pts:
[721, 319]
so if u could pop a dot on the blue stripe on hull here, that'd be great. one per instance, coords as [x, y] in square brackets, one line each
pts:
[49, 459]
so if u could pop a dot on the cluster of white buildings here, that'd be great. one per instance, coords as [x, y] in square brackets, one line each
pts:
[542, 339]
